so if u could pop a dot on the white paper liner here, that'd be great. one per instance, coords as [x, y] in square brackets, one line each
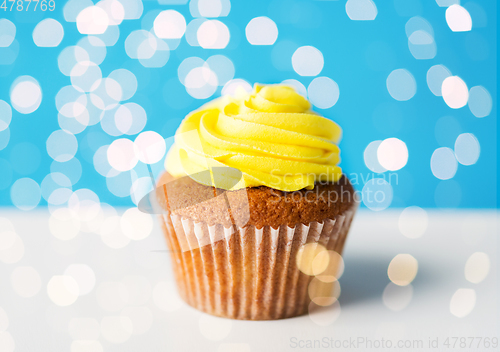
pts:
[245, 272]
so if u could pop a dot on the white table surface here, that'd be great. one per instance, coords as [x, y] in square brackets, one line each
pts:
[133, 307]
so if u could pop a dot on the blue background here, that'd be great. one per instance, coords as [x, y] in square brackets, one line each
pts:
[358, 55]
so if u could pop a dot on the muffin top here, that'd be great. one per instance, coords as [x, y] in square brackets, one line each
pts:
[257, 206]
[268, 137]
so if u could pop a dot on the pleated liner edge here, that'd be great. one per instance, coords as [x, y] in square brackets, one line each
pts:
[244, 272]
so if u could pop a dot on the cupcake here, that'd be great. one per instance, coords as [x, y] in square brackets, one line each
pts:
[251, 200]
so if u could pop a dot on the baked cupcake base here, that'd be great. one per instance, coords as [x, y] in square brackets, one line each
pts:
[248, 272]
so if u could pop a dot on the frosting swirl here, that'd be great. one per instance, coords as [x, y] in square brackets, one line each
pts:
[270, 135]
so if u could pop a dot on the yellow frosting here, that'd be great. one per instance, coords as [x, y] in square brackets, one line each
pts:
[270, 135]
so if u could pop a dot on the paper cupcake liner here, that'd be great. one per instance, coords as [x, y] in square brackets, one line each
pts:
[245, 272]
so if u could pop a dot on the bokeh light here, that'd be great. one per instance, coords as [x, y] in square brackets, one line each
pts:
[61, 145]
[402, 269]
[62, 290]
[25, 193]
[101, 163]
[477, 267]
[25, 94]
[71, 169]
[111, 234]
[48, 33]
[467, 149]
[307, 61]
[71, 102]
[187, 65]
[133, 9]
[413, 222]
[306, 259]
[377, 194]
[127, 82]
[455, 92]
[201, 82]
[233, 86]
[86, 76]
[121, 154]
[110, 36]
[261, 31]
[4, 138]
[323, 293]
[92, 20]
[53, 181]
[73, 7]
[328, 266]
[169, 24]
[417, 23]
[480, 101]
[5, 115]
[458, 18]
[114, 9]
[443, 163]
[392, 154]
[435, 77]
[463, 302]
[371, 158]
[207, 8]
[129, 118]
[150, 147]
[160, 55]
[401, 84]
[324, 316]
[104, 98]
[222, 67]
[323, 92]
[69, 57]
[84, 277]
[361, 10]
[191, 34]
[64, 223]
[94, 47]
[213, 34]
[299, 87]
[135, 224]
[420, 38]
[140, 44]
[7, 32]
